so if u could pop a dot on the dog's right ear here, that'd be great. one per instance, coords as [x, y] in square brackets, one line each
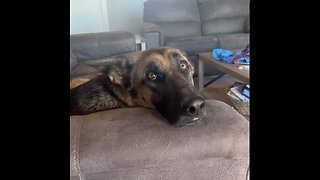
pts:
[118, 70]
[119, 74]
[119, 79]
[115, 77]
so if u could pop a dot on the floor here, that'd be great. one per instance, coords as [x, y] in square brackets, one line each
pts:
[217, 89]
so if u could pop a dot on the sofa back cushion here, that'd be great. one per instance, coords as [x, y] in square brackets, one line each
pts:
[89, 46]
[177, 18]
[224, 16]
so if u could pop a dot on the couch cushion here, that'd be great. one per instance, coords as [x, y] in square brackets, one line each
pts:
[176, 17]
[224, 16]
[194, 45]
[180, 29]
[133, 143]
[98, 45]
[233, 41]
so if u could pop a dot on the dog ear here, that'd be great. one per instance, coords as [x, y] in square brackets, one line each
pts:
[118, 70]
[120, 74]
[120, 79]
[183, 53]
[115, 77]
[179, 53]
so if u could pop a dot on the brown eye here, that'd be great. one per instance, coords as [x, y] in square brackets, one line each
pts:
[152, 76]
[183, 66]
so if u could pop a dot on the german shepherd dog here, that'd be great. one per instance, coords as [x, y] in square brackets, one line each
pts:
[160, 78]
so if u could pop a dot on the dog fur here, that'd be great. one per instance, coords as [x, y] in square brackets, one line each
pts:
[127, 83]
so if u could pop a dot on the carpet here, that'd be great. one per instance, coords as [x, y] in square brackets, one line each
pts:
[242, 107]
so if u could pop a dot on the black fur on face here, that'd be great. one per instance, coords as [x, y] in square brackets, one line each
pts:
[174, 95]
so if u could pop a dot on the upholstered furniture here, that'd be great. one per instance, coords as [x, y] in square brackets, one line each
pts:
[89, 52]
[197, 26]
[138, 143]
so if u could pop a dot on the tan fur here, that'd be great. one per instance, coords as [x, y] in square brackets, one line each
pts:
[77, 82]
[143, 97]
[125, 96]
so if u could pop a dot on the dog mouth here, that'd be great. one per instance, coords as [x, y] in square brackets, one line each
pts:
[194, 121]
[185, 113]
[189, 121]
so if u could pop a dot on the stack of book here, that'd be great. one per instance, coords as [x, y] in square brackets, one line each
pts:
[240, 92]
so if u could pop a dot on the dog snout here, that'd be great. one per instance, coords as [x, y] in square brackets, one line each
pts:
[194, 107]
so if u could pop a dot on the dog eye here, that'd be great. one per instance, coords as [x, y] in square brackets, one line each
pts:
[184, 66]
[152, 76]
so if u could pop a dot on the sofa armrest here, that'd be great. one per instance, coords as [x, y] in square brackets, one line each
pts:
[153, 35]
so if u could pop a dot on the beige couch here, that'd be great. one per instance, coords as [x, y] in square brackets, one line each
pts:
[138, 143]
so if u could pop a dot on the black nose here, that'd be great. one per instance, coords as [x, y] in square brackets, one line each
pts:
[195, 106]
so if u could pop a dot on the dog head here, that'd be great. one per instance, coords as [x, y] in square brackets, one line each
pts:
[162, 78]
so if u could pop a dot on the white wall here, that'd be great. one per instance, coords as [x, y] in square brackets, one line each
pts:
[88, 16]
[125, 15]
[105, 15]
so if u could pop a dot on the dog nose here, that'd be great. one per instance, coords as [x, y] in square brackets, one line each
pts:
[195, 107]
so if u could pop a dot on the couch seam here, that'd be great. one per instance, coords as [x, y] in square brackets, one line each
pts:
[156, 166]
[201, 17]
[76, 148]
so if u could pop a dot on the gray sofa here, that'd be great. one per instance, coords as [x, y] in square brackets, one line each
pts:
[197, 25]
[89, 52]
[138, 143]
[104, 44]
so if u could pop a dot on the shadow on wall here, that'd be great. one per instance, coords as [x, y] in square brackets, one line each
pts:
[105, 15]
[125, 15]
